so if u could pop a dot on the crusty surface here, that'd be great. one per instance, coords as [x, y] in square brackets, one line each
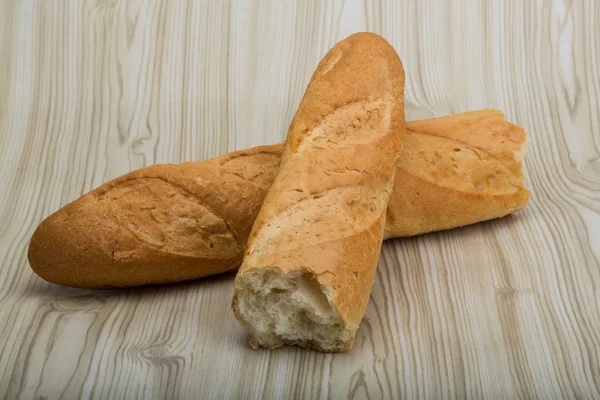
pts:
[325, 211]
[163, 223]
[74, 246]
[456, 171]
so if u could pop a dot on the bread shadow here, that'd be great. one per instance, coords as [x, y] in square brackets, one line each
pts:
[508, 221]
[42, 289]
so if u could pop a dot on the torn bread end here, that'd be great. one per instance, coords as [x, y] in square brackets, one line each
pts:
[281, 309]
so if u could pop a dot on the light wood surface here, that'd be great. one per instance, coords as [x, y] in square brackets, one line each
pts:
[505, 309]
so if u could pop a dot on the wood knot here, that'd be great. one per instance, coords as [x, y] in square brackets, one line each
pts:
[71, 304]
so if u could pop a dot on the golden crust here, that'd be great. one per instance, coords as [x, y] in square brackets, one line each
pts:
[160, 224]
[325, 211]
[456, 171]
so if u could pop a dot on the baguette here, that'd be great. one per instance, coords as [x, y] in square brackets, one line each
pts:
[160, 224]
[134, 230]
[456, 171]
[311, 257]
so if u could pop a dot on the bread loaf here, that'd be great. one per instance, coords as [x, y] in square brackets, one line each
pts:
[456, 171]
[160, 224]
[134, 230]
[311, 257]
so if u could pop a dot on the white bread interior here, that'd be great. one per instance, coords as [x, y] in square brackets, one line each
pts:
[291, 308]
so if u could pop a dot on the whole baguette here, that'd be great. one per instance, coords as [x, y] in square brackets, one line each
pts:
[310, 260]
[154, 225]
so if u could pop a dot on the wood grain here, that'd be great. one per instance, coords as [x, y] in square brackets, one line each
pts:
[504, 309]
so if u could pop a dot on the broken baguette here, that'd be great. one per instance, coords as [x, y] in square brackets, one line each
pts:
[311, 256]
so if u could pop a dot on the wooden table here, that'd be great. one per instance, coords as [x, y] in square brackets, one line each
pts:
[505, 309]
